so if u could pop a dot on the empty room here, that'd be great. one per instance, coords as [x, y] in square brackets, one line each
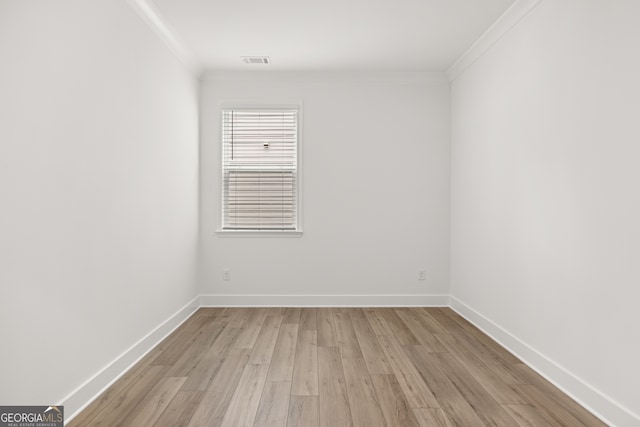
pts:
[336, 213]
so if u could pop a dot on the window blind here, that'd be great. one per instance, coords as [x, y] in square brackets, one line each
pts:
[259, 168]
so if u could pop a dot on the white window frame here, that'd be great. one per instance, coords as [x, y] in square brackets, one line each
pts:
[227, 105]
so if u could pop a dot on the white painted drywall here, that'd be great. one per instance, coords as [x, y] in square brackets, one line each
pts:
[546, 191]
[98, 191]
[375, 181]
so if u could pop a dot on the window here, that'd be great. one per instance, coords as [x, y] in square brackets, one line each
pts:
[260, 170]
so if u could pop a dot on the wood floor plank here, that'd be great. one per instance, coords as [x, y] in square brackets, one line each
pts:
[427, 320]
[274, 311]
[329, 363]
[346, 336]
[447, 322]
[494, 378]
[332, 397]
[459, 323]
[103, 401]
[305, 371]
[149, 359]
[125, 402]
[282, 361]
[445, 392]
[237, 316]
[326, 328]
[484, 357]
[251, 329]
[526, 416]
[303, 412]
[227, 375]
[433, 418]
[292, 315]
[499, 351]
[180, 410]
[158, 399]
[274, 405]
[309, 319]
[334, 403]
[206, 369]
[553, 411]
[363, 401]
[121, 390]
[393, 402]
[214, 403]
[558, 396]
[266, 342]
[181, 339]
[371, 366]
[196, 350]
[489, 411]
[377, 321]
[211, 311]
[416, 391]
[224, 315]
[425, 338]
[243, 407]
[398, 328]
[369, 345]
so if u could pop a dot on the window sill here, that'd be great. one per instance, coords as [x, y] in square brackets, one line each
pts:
[265, 233]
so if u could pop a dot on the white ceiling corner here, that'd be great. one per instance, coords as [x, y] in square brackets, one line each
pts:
[332, 35]
[150, 14]
[503, 24]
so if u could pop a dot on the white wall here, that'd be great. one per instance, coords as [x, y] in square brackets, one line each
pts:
[98, 192]
[376, 191]
[546, 200]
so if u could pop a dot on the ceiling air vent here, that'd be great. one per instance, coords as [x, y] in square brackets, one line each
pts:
[256, 59]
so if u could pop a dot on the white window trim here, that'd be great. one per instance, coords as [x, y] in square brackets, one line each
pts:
[296, 105]
[256, 233]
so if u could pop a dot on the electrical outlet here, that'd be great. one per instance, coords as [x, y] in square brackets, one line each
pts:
[422, 275]
[226, 275]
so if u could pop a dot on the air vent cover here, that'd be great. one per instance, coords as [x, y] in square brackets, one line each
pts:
[256, 59]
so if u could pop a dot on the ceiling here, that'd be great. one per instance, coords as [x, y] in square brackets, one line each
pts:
[329, 35]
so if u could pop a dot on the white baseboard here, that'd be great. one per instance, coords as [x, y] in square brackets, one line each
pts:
[221, 300]
[586, 395]
[81, 397]
[593, 400]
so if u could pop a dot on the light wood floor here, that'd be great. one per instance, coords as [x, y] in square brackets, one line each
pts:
[331, 367]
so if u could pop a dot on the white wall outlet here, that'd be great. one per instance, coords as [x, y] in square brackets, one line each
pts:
[226, 275]
[422, 274]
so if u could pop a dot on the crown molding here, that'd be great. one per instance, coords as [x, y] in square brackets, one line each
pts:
[149, 14]
[502, 26]
[365, 77]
